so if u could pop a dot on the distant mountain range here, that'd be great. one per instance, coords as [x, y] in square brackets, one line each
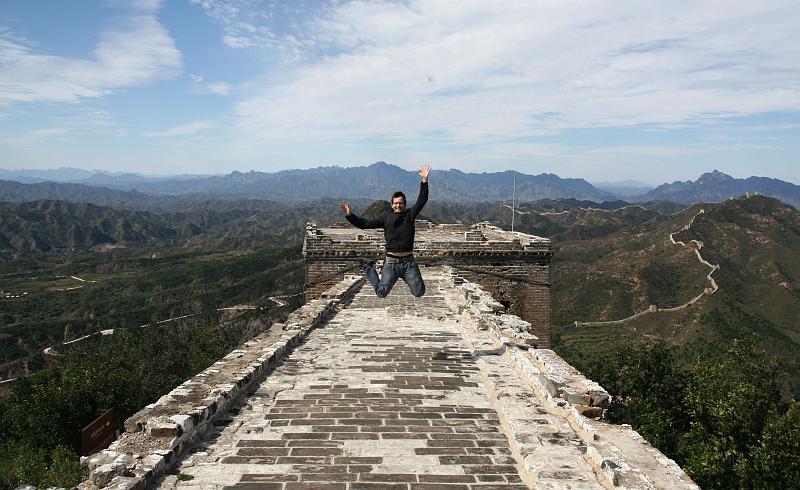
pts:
[12, 191]
[611, 259]
[89, 177]
[609, 265]
[376, 181]
[52, 226]
[716, 186]
[624, 189]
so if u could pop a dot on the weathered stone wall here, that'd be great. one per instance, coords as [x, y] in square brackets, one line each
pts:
[531, 302]
[483, 254]
[324, 274]
[620, 456]
[156, 436]
[549, 413]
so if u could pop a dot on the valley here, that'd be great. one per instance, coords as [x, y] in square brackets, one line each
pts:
[181, 285]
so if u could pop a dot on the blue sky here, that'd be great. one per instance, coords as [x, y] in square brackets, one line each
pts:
[603, 90]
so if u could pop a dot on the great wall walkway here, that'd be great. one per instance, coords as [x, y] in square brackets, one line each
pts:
[398, 393]
[378, 398]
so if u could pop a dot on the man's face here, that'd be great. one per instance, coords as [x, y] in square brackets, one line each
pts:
[398, 204]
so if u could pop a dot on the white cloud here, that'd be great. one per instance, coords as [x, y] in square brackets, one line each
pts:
[265, 23]
[217, 88]
[237, 41]
[477, 71]
[182, 130]
[138, 53]
[220, 88]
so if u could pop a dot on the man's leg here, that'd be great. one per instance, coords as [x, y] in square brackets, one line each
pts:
[413, 277]
[389, 276]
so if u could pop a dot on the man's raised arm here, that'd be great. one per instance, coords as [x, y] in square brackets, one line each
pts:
[357, 221]
[424, 172]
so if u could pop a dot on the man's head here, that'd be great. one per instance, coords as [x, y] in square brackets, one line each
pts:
[398, 202]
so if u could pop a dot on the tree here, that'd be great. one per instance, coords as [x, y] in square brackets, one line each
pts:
[729, 399]
[774, 461]
[647, 389]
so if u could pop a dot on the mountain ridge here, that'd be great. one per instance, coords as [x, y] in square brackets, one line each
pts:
[717, 186]
[376, 181]
[42, 226]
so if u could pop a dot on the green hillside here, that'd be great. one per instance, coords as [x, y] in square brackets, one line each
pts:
[755, 241]
[127, 288]
[611, 260]
[41, 226]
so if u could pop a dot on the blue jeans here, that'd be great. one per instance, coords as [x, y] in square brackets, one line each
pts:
[394, 269]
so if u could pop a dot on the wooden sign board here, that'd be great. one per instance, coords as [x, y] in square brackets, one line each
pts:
[99, 434]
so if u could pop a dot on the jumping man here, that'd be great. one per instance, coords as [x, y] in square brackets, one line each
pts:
[398, 229]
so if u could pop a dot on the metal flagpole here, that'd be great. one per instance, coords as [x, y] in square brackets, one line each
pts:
[513, 200]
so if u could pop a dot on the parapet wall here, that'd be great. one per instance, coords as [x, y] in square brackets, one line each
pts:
[156, 436]
[514, 267]
[619, 455]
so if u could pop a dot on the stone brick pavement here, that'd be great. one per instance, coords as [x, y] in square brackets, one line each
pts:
[389, 393]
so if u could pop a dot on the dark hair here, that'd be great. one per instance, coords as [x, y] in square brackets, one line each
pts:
[398, 194]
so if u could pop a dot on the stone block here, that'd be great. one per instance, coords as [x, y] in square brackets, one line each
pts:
[591, 412]
[574, 396]
[126, 483]
[185, 422]
[155, 462]
[102, 475]
[551, 383]
[621, 475]
[113, 458]
[162, 427]
[599, 398]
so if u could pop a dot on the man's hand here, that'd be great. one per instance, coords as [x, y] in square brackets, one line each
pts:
[345, 207]
[424, 172]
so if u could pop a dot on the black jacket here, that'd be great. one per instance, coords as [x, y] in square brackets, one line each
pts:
[398, 228]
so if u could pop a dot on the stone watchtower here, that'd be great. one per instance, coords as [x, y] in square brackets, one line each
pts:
[514, 267]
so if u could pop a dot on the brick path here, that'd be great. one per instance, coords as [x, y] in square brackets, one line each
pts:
[381, 398]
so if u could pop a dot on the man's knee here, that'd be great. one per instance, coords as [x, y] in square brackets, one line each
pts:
[418, 291]
[381, 293]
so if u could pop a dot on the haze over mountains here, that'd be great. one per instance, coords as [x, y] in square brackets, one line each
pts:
[375, 181]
